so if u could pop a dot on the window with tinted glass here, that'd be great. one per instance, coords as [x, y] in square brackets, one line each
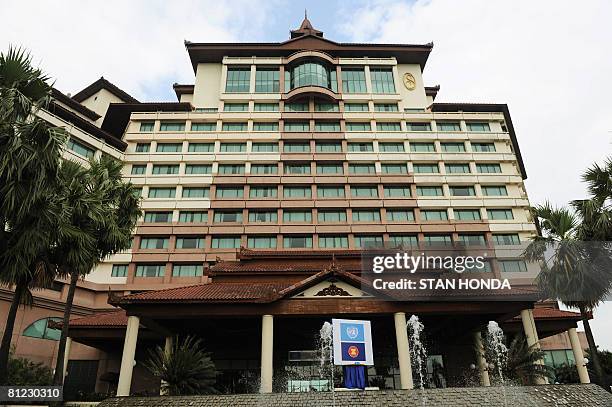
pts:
[330, 191]
[119, 270]
[368, 240]
[365, 126]
[80, 148]
[264, 148]
[296, 242]
[512, 266]
[386, 107]
[201, 147]
[235, 107]
[328, 147]
[297, 192]
[330, 168]
[327, 215]
[488, 168]
[231, 169]
[230, 192]
[203, 126]
[172, 126]
[327, 107]
[478, 127]
[161, 192]
[483, 147]
[494, 190]
[264, 168]
[234, 127]
[362, 147]
[434, 214]
[154, 242]
[198, 169]
[366, 215]
[453, 147]
[189, 242]
[422, 147]
[500, 214]
[293, 147]
[263, 216]
[232, 147]
[169, 147]
[382, 80]
[467, 214]
[403, 240]
[150, 270]
[396, 191]
[457, 168]
[426, 168]
[333, 241]
[146, 127]
[238, 79]
[187, 270]
[362, 169]
[353, 80]
[195, 192]
[143, 147]
[266, 107]
[297, 169]
[394, 168]
[262, 242]
[472, 239]
[417, 126]
[265, 126]
[400, 215]
[364, 192]
[158, 217]
[297, 127]
[327, 126]
[225, 242]
[267, 80]
[448, 126]
[228, 216]
[139, 169]
[506, 239]
[165, 169]
[297, 216]
[263, 192]
[429, 190]
[388, 147]
[388, 126]
[193, 217]
[356, 107]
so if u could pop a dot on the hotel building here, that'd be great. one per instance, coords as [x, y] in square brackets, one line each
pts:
[260, 186]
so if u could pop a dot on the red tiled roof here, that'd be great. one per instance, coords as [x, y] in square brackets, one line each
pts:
[299, 253]
[553, 313]
[106, 319]
[286, 265]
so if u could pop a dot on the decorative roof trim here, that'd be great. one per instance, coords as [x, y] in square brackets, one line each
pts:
[104, 84]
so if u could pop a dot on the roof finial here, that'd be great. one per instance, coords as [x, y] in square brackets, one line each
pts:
[305, 13]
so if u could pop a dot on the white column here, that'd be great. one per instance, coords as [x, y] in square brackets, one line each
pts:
[583, 373]
[481, 362]
[127, 359]
[66, 357]
[531, 334]
[267, 337]
[403, 350]
[163, 389]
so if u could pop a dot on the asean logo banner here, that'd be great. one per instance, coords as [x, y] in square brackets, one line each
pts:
[352, 342]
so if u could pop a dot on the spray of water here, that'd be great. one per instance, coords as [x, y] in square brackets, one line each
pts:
[418, 352]
[496, 346]
[326, 335]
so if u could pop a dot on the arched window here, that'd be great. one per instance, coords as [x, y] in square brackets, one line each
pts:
[40, 329]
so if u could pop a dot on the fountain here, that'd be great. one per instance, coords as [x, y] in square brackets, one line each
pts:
[497, 348]
[418, 352]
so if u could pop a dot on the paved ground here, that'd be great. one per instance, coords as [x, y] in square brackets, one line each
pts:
[588, 395]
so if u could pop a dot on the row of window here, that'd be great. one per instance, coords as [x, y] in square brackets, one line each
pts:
[318, 107]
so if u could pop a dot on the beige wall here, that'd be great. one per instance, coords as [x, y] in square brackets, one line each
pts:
[411, 98]
[207, 85]
[99, 103]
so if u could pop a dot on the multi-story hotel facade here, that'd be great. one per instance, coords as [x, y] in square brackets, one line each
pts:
[260, 187]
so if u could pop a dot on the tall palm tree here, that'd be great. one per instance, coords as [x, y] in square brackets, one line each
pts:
[29, 161]
[523, 362]
[103, 213]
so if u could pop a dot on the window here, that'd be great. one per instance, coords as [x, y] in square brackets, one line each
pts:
[353, 80]
[263, 192]
[486, 268]
[297, 126]
[265, 126]
[264, 168]
[403, 240]
[506, 239]
[297, 216]
[362, 215]
[462, 191]
[360, 147]
[234, 127]
[312, 73]
[327, 107]
[147, 127]
[189, 242]
[330, 191]
[327, 126]
[478, 127]
[232, 147]
[381, 126]
[161, 192]
[266, 107]
[418, 126]
[203, 126]
[187, 270]
[333, 241]
[396, 191]
[169, 147]
[139, 169]
[425, 168]
[263, 216]
[467, 214]
[512, 266]
[362, 169]
[453, 147]
[195, 192]
[143, 147]
[165, 169]
[297, 192]
[472, 240]
[297, 169]
[297, 242]
[201, 147]
[365, 126]
[228, 216]
[448, 126]
[328, 147]
[235, 107]
[434, 214]
[238, 79]
[119, 270]
[40, 329]
[429, 191]
[329, 168]
[488, 168]
[230, 192]
[171, 126]
[494, 190]
[331, 216]
[262, 242]
[231, 169]
[423, 147]
[436, 240]
[154, 243]
[158, 217]
[198, 169]
[386, 107]
[150, 270]
[296, 147]
[500, 214]
[400, 215]
[296, 107]
[267, 80]
[193, 217]
[396, 168]
[391, 147]
[382, 80]
[356, 107]
[226, 242]
[364, 192]
[80, 148]
[264, 148]
[483, 147]
[368, 241]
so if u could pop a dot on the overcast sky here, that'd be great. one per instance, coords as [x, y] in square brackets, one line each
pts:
[550, 61]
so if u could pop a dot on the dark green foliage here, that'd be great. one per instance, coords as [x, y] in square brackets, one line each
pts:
[24, 372]
[525, 363]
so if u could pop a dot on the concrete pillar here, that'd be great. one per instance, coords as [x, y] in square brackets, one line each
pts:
[267, 347]
[127, 359]
[163, 390]
[403, 350]
[481, 362]
[583, 373]
[66, 357]
[531, 334]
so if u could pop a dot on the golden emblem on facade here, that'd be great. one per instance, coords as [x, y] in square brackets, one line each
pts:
[409, 81]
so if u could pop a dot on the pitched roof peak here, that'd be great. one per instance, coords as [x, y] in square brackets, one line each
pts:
[306, 28]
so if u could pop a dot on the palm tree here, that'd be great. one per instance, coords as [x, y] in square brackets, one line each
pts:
[524, 362]
[185, 370]
[29, 161]
[103, 211]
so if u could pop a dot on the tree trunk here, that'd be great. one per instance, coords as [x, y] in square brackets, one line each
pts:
[5, 348]
[601, 378]
[58, 377]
